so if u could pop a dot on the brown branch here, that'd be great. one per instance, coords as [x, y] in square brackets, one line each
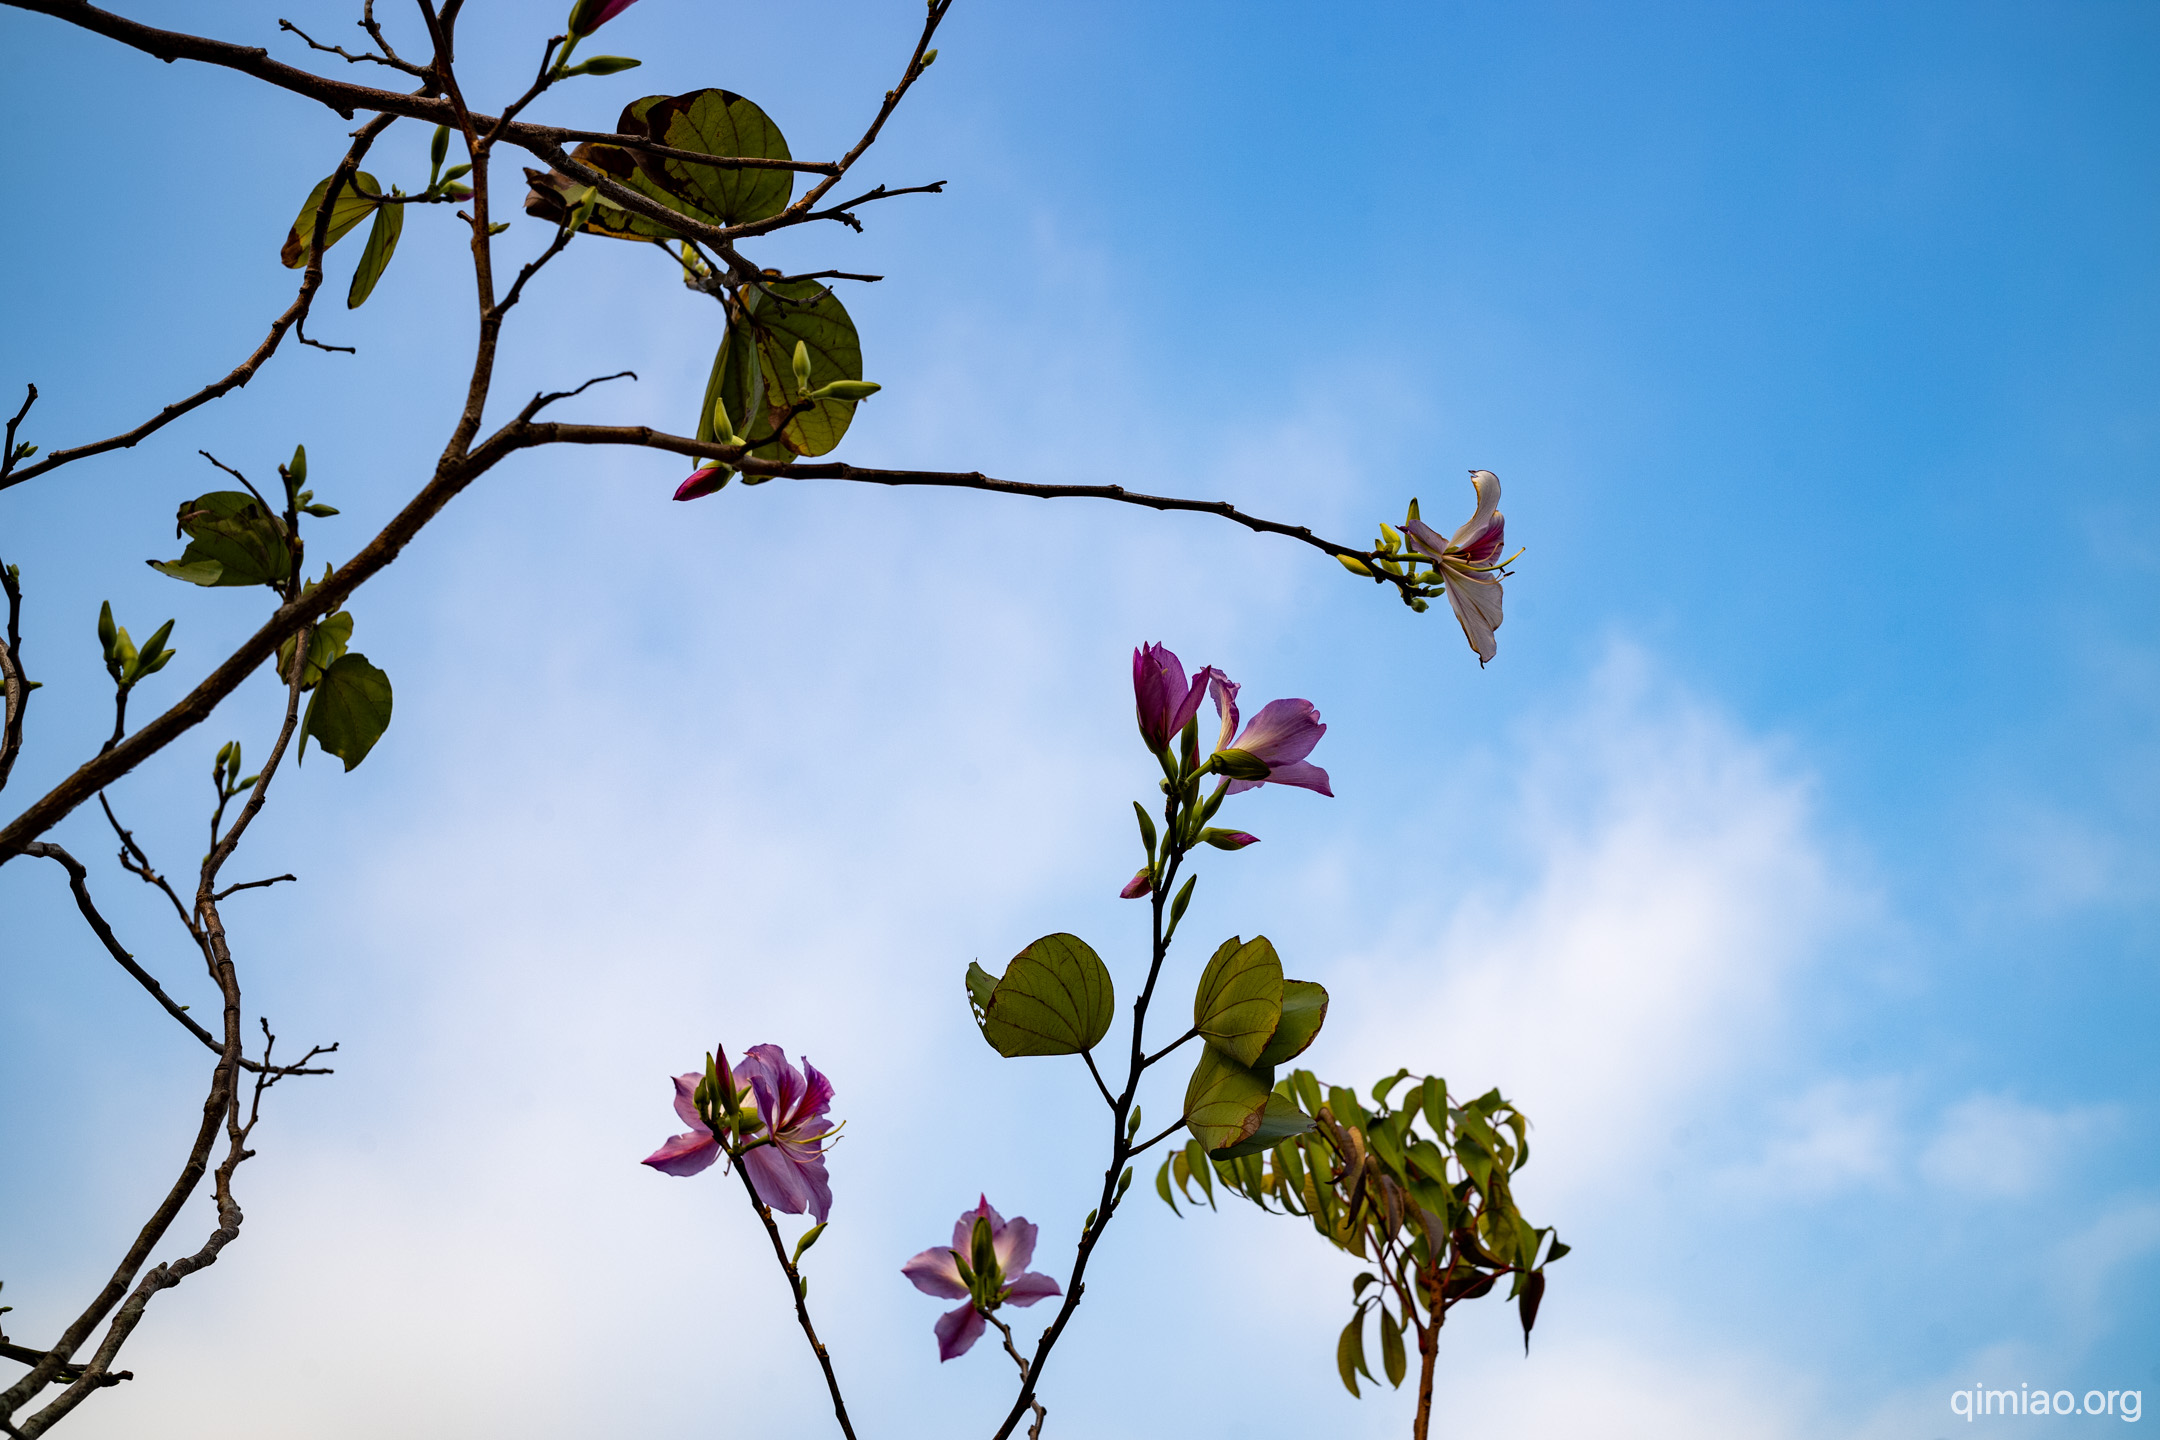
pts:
[521, 435]
[241, 373]
[798, 1292]
[1041, 1414]
[13, 682]
[351, 59]
[78, 881]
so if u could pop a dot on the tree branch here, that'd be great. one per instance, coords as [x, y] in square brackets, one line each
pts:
[798, 1292]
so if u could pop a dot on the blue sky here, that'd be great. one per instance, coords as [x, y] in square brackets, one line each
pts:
[1791, 866]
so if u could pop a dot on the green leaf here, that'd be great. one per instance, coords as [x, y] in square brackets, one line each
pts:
[1054, 999]
[1436, 1106]
[1162, 1188]
[1304, 1010]
[734, 383]
[1278, 1122]
[1533, 1295]
[382, 238]
[719, 122]
[350, 709]
[779, 318]
[1350, 1352]
[1225, 1101]
[331, 638]
[980, 983]
[232, 540]
[1392, 1358]
[356, 198]
[1380, 1090]
[1196, 1164]
[1239, 1001]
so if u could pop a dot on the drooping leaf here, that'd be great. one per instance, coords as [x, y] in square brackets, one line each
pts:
[1304, 1010]
[382, 238]
[1533, 1295]
[1224, 1101]
[718, 122]
[1278, 1122]
[780, 317]
[1380, 1090]
[1239, 1000]
[349, 710]
[331, 637]
[1350, 1352]
[1055, 998]
[1392, 1359]
[356, 199]
[1196, 1165]
[1162, 1187]
[232, 540]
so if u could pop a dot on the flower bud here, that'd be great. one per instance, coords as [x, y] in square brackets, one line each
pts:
[1239, 765]
[1228, 839]
[802, 365]
[1354, 565]
[1142, 883]
[439, 148]
[603, 65]
[845, 390]
[704, 481]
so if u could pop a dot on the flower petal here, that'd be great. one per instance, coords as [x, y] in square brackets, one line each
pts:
[1189, 706]
[1475, 599]
[1031, 1287]
[934, 1272]
[1303, 774]
[1483, 518]
[1225, 691]
[685, 1154]
[958, 1330]
[686, 1100]
[788, 1184]
[1283, 731]
[1014, 1242]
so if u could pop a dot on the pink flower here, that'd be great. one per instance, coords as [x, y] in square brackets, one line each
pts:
[1162, 699]
[1470, 564]
[985, 1266]
[785, 1163]
[1278, 739]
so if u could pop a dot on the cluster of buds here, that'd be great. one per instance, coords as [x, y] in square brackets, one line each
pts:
[728, 1109]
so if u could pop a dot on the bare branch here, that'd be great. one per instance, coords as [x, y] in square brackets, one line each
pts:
[13, 682]
[254, 885]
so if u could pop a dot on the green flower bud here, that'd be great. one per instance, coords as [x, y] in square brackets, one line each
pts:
[845, 390]
[1239, 765]
[802, 365]
[1354, 565]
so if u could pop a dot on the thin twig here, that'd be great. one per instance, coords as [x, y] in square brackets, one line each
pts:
[254, 885]
[797, 1291]
[13, 682]
[1041, 1414]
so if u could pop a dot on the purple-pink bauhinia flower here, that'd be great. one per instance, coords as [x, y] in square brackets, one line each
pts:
[788, 1170]
[589, 15]
[1162, 698]
[1279, 737]
[937, 1271]
[1470, 564]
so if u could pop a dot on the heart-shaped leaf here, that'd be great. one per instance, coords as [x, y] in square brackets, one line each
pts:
[780, 316]
[1054, 999]
[1240, 999]
[717, 122]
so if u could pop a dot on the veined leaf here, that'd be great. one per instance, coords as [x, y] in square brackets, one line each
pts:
[232, 540]
[1055, 998]
[718, 122]
[1278, 1122]
[779, 317]
[1239, 1000]
[1225, 1101]
[1304, 1010]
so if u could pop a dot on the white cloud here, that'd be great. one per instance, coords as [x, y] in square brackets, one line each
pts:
[1993, 1145]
